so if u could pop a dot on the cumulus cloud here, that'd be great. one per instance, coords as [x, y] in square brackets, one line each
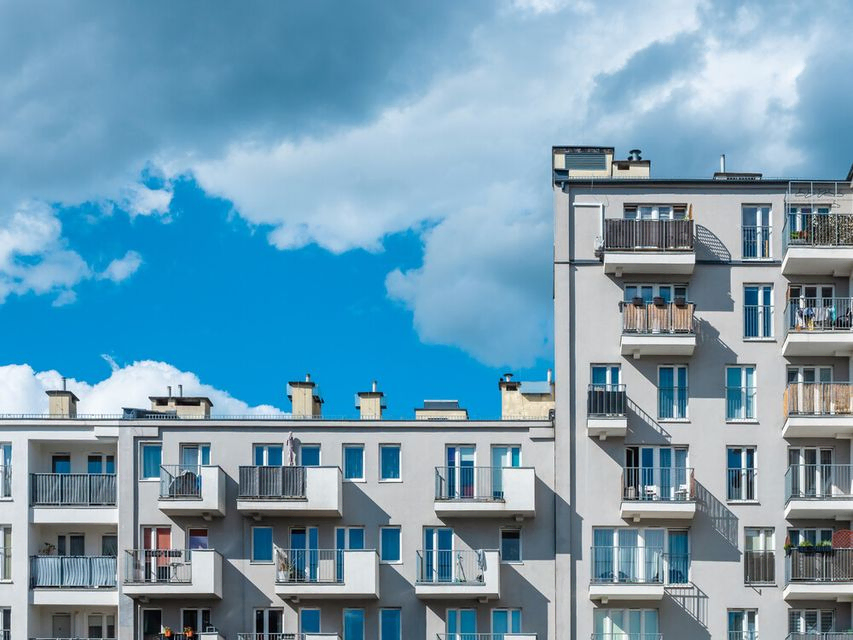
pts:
[140, 200]
[121, 269]
[22, 390]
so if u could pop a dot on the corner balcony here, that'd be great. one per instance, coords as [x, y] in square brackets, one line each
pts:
[658, 328]
[290, 491]
[73, 498]
[818, 410]
[818, 327]
[635, 573]
[822, 491]
[458, 575]
[819, 244]
[73, 580]
[188, 490]
[173, 573]
[648, 247]
[327, 574]
[485, 492]
[819, 573]
[606, 414]
[658, 494]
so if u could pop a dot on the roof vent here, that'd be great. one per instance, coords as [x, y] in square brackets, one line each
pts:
[634, 155]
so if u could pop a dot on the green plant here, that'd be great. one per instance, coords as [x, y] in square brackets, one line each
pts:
[824, 543]
[805, 543]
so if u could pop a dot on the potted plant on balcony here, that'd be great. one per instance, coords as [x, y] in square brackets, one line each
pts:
[805, 546]
[788, 546]
[824, 546]
[167, 632]
[188, 632]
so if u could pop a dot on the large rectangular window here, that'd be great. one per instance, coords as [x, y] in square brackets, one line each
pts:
[741, 474]
[151, 458]
[812, 623]
[743, 624]
[619, 624]
[353, 462]
[389, 462]
[353, 624]
[759, 556]
[262, 544]
[389, 624]
[268, 455]
[5, 553]
[672, 393]
[755, 231]
[740, 393]
[389, 544]
[309, 455]
[758, 311]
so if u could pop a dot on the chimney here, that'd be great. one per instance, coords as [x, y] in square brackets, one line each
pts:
[180, 391]
[526, 400]
[370, 403]
[722, 163]
[62, 403]
[190, 407]
[441, 410]
[305, 398]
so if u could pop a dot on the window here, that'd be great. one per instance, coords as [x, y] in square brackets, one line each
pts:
[648, 292]
[353, 462]
[198, 539]
[152, 622]
[806, 226]
[810, 473]
[650, 556]
[195, 455]
[196, 619]
[811, 622]
[625, 623]
[61, 463]
[758, 311]
[73, 544]
[741, 474]
[6, 621]
[672, 393]
[101, 626]
[5, 553]
[109, 545]
[353, 624]
[657, 473]
[389, 462]
[389, 544]
[511, 545]
[740, 393]
[389, 624]
[151, 454]
[268, 622]
[309, 621]
[460, 623]
[5, 469]
[810, 391]
[755, 231]
[506, 621]
[743, 624]
[759, 557]
[346, 538]
[262, 544]
[809, 536]
[98, 463]
[654, 212]
[268, 455]
[815, 308]
[309, 455]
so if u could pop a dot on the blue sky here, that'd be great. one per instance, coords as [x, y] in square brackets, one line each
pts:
[229, 196]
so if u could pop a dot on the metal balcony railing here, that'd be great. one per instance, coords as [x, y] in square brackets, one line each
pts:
[818, 481]
[756, 242]
[78, 572]
[6, 481]
[648, 235]
[759, 567]
[606, 400]
[743, 635]
[469, 483]
[272, 483]
[819, 564]
[672, 403]
[818, 399]
[638, 565]
[484, 636]
[741, 483]
[819, 314]
[819, 230]
[180, 482]
[451, 567]
[817, 635]
[758, 321]
[740, 403]
[673, 484]
[648, 318]
[280, 636]
[73, 489]
[626, 636]
[299, 566]
[158, 566]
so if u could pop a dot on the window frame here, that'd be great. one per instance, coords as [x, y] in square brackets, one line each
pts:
[399, 530]
[743, 389]
[391, 445]
[501, 532]
[676, 388]
[353, 445]
[768, 227]
[761, 309]
[743, 468]
[399, 612]
[344, 624]
[252, 558]
[142, 447]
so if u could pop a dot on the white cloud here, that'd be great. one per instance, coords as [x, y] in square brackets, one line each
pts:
[140, 200]
[22, 390]
[121, 269]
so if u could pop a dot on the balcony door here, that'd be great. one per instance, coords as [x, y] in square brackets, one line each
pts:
[438, 554]
[503, 457]
[195, 455]
[60, 463]
[73, 544]
[155, 541]
[810, 472]
[461, 477]
[656, 473]
[61, 625]
[743, 624]
[304, 548]
[505, 621]
[268, 623]
[625, 624]
[346, 538]
[461, 624]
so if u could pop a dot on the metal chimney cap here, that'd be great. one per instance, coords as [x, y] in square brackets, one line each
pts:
[635, 155]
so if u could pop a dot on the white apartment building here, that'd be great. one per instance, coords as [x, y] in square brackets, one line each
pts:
[173, 522]
[704, 414]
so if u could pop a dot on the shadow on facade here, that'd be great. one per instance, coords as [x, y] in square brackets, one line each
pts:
[709, 247]
[722, 520]
[692, 603]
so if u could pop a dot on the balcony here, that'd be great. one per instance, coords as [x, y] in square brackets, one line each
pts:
[658, 328]
[73, 580]
[658, 493]
[173, 573]
[288, 636]
[819, 573]
[487, 636]
[73, 498]
[635, 573]
[818, 327]
[826, 635]
[211, 635]
[187, 490]
[327, 573]
[822, 491]
[818, 410]
[648, 247]
[627, 636]
[458, 575]
[290, 491]
[818, 244]
[485, 492]
[606, 411]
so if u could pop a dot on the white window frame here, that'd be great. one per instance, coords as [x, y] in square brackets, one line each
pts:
[760, 311]
[743, 389]
[266, 613]
[104, 625]
[4, 552]
[745, 635]
[354, 445]
[657, 208]
[265, 447]
[320, 618]
[520, 545]
[391, 445]
[675, 368]
[399, 545]
[744, 473]
[142, 447]
[768, 227]
[819, 615]
[309, 444]
[198, 617]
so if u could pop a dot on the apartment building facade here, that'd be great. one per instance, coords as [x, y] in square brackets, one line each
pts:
[171, 521]
[703, 419]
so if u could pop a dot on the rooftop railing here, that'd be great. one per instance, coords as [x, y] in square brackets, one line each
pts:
[658, 317]
[606, 400]
[272, 483]
[822, 564]
[818, 399]
[673, 484]
[298, 566]
[451, 567]
[818, 481]
[180, 482]
[77, 572]
[469, 483]
[819, 314]
[167, 566]
[73, 489]
[648, 235]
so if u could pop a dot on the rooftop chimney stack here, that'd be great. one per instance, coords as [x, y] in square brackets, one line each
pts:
[189, 407]
[722, 163]
[370, 403]
[62, 403]
[305, 398]
[180, 391]
[526, 400]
